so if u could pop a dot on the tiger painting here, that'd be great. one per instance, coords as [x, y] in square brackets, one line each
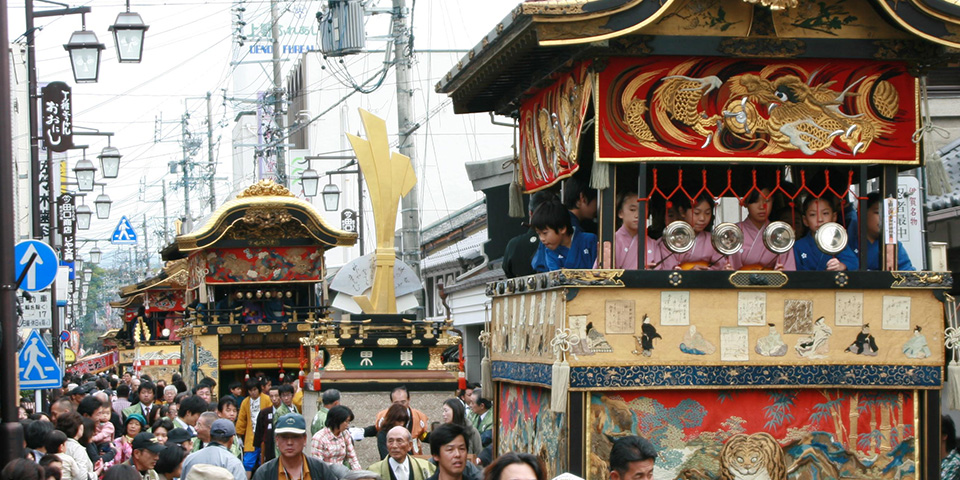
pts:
[752, 457]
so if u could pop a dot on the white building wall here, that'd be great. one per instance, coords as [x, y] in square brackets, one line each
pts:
[470, 310]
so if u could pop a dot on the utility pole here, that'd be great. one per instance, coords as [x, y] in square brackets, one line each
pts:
[409, 206]
[210, 159]
[185, 139]
[146, 243]
[278, 96]
[166, 229]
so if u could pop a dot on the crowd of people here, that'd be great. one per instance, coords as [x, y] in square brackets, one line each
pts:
[110, 427]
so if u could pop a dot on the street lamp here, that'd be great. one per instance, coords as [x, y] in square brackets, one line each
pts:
[310, 180]
[331, 197]
[85, 170]
[84, 215]
[95, 255]
[84, 49]
[128, 33]
[87, 275]
[102, 203]
[77, 266]
[110, 162]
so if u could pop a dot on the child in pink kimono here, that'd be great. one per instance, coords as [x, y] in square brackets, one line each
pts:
[702, 256]
[625, 238]
[754, 255]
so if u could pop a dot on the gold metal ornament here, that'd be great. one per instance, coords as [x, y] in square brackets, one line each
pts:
[389, 176]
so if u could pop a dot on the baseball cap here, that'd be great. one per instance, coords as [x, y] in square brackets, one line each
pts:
[179, 435]
[291, 423]
[222, 428]
[146, 440]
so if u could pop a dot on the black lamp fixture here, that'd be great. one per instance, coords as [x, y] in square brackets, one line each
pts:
[84, 49]
[331, 197]
[128, 32]
[85, 170]
[110, 161]
[310, 180]
[102, 204]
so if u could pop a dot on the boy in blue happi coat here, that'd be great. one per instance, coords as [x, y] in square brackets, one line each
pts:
[816, 212]
[873, 238]
[561, 246]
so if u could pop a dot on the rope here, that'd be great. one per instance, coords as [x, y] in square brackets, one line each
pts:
[927, 125]
[563, 341]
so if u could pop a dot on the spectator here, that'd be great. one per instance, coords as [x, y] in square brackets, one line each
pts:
[180, 437]
[453, 412]
[61, 406]
[217, 451]
[515, 466]
[189, 412]
[145, 405]
[203, 431]
[170, 463]
[417, 425]
[70, 470]
[329, 398]
[124, 444]
[236, 391]
[203, 391]
[52, 466]
[448, 446]
[286, 401]
[950, 457]
[35, 435]
[22, 469]
[169, 394]
[632, 458]
[227, 409]
[209, 472]
[146, 452]
[122, 472]
[396, 416]
[161, 429]
[263, 438]
[71, 424]
[122, 402]
[333, 444]
[247, 422]
[484, 420]
[399, 465]
[291, 437]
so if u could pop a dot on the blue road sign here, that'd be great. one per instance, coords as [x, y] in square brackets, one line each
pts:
[43, 268]
[37, 368]
[124, 234]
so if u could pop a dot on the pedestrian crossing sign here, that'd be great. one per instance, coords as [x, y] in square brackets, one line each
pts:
[37, 368]
[124, 234]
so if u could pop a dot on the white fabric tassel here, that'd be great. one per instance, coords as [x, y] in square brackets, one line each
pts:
[515, 209]
[952, 342]
[561, 385]
[486, 375]
[938, 181]
[560, 376]
[600, 178]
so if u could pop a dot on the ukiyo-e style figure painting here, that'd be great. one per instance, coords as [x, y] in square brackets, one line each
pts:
[528, 425]
[813, 434]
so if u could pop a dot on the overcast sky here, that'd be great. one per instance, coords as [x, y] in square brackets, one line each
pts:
[188, 52]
